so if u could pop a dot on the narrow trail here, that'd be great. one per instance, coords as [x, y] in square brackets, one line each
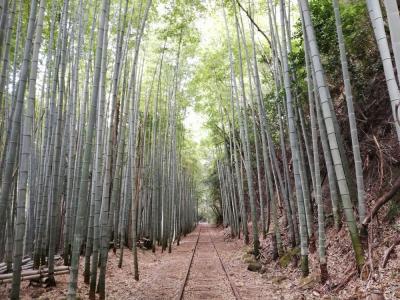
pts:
[203, 266]
[206, 277]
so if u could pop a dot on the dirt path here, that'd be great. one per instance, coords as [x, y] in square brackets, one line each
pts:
[207, 277]
[218, 272]
[271, 285]
[216, 265]
[161, 276]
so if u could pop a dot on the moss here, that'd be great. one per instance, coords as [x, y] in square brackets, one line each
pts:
[278, 279]
[254, 267]
[304, 265]
[248, 250]
[288, 256]
[249, 259]
[357, 250]
[246, 256]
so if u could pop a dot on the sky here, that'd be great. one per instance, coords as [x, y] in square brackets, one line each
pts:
[206, 24]
[211, 26]
[194, 122]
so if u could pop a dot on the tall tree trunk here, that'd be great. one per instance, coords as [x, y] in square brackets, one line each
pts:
[351, 114]
[375, 14]
[26, 148]
[295, 153]
[318, 72]
[242, 116]
[83, 189]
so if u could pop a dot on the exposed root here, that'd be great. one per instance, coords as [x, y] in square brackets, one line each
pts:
[382, 201]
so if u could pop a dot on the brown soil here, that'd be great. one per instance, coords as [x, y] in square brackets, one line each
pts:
[162, 275]
[207, 278]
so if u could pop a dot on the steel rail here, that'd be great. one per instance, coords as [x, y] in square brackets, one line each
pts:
[182, 289]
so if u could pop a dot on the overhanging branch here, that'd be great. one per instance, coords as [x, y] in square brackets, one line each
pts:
[254, 23]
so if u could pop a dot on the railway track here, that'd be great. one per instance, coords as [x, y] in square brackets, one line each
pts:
[206, 276]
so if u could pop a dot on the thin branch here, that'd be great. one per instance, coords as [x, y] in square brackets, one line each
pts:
[254, 23]
[381, 201]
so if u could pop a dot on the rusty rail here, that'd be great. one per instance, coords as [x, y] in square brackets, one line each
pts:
[232, 285]
[182, 289]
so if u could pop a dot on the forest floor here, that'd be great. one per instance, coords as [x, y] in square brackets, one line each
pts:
[162, 275]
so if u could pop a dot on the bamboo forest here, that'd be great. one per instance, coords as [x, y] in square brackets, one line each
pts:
[199, 149]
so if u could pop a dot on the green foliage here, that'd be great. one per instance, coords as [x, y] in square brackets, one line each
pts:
[211, 183]
[360, 45]
[180, 14]
[288, 256]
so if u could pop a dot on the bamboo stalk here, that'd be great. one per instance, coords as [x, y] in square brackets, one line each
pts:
[35, 274]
